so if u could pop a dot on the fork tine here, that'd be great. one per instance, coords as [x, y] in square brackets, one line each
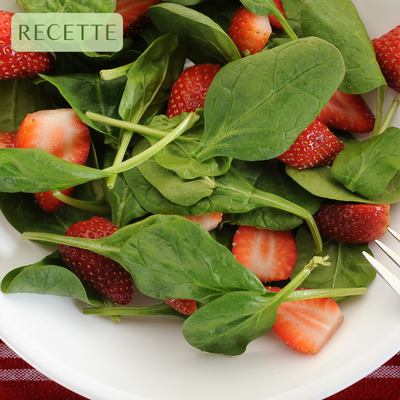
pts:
[390, 278]
[389, 252]
[394, 234]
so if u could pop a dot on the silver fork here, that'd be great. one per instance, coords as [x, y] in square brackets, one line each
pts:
[388, 276]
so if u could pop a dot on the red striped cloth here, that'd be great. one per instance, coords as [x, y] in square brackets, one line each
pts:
[19, 381]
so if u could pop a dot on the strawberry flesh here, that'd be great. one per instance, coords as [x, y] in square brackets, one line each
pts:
[307, 325]
[100, 272]
[250, 32]
[20, 65]
[387, 51]
[184, 306]
[271, 255]
[315, 146]
[348, 112]
[7, 140]
[207, 221]
[134, 15]
[188, 92]
[353, 223]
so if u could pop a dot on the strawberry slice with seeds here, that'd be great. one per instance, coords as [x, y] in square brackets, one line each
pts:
[187, 307]
[387, 50]
[353, 223]
[207, 221]
[250, 32]
[189, 91]
[100, 272]
[134, 15]
[271, 255]
[348, 112]
[61, 133]
[315, 146]
[307, 325]
[20, 65]
[7, 140]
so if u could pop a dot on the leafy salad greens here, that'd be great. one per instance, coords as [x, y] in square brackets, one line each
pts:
[145, 171]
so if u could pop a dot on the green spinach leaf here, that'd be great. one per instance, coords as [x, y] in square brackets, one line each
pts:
[247, 120]
[367, 166]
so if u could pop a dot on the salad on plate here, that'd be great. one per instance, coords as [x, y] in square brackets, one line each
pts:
[225, 161]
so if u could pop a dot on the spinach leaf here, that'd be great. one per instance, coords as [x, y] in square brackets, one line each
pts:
[366, 167]
[348, 268]
[233, 194]
[170, 257]
[319, 182]
[338, 22]
[230, 323]
[251, 121]
[88, 92]
[273, 179]
[49, 276]
[176, 156]
[18, 98]
[206, 41]
[61, 6]
[173, 187]
[124, 206]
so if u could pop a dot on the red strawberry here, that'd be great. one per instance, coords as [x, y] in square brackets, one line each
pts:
[207, 221]
[271, 255]
[315, 146]
[48, 202]
[134, 15]
[272, 19]
[353, 223]
[15, 65]
[61, 133]
[250, 32]
[187, 307]
[100, 272]
[348, 112]
[387, 50]
[189, 91]
[307, 325]
[7, 140]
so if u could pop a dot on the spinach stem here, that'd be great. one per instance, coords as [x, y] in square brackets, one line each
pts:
[97, 206]
[114, 73]
[159, 309]
[186, 124]
[285, 24]
[389, 115]
[114, 317]
[379, 110]
[321, 293]
[142, 129]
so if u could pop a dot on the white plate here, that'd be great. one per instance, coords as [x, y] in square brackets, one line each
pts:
[147, 358]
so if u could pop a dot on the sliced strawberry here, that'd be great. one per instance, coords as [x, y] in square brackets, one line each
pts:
[387, 50]
[315, 146]
[100, 272]
[250, 32]
[207, 221]
[134, 15]
[61, 133]
[353, 223]
[20, 65]
[307, 325]
[7, 140]
[273, 20]
[189, 91]
[348, 112]
[271, 255]
[187, 307]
